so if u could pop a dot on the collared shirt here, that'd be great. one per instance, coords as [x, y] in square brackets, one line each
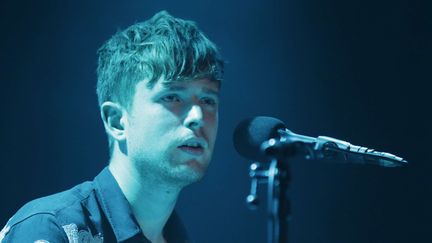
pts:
[94, 211]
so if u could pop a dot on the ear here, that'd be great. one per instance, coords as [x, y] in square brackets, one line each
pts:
[114, 118]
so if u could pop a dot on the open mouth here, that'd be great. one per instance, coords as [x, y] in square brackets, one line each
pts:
[198, 150]
[192, 147]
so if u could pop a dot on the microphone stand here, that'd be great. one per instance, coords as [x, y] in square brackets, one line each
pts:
[277, 177]
[278, 201]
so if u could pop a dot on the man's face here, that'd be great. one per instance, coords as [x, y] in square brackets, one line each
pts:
[172, 129]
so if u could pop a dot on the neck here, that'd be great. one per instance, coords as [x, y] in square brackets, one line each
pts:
[152, 202]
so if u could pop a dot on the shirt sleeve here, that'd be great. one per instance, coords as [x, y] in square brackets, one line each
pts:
[38, 228]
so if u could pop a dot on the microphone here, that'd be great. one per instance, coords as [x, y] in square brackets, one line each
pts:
[261, 138]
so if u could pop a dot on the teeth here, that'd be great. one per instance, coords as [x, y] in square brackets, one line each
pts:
[193, 144]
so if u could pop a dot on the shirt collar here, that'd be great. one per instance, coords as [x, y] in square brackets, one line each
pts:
[119, 213]
[116, 207]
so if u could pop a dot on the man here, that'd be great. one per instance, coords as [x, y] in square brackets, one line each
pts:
[158, 85]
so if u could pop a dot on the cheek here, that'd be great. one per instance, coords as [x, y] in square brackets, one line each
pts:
[212, 125]
[153, 125]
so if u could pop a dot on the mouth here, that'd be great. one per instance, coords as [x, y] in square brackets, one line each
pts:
[193, 146]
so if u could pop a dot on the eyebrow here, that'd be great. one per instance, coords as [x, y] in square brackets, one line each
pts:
[181, 88]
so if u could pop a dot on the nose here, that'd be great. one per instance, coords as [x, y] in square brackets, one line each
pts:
[194, 118]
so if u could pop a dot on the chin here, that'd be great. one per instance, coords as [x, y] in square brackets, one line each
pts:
[188, 173]
[185, 179]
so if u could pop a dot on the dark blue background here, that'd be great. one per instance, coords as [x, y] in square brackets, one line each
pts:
[358, 71]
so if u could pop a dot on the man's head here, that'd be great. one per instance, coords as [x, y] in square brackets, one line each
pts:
[157, 88]
[162, 46]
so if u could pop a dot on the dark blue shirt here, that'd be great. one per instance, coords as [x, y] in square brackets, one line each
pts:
[94, 211]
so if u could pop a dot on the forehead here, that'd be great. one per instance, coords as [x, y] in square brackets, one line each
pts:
[204, 85]
[197, 86]
[145, 93]
[186, 82]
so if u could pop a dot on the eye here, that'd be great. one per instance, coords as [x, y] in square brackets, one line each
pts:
[209, 101]
[171, 98]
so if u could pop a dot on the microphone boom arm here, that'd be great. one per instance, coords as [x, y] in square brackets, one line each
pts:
[327, 148]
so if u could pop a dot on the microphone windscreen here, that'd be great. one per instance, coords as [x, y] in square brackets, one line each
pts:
[252, 132]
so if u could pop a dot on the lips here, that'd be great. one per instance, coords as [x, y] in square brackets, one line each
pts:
[192, 150]
[193, 146]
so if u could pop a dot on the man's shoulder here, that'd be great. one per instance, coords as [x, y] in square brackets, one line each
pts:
[49, 213]
[36, 227]
[56, 204]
